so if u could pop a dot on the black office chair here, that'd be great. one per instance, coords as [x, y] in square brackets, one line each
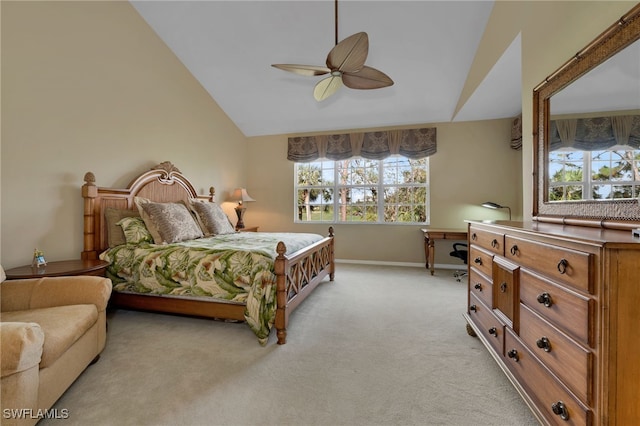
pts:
[460, 251]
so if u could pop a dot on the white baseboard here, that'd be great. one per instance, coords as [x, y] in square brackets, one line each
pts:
[405, 264]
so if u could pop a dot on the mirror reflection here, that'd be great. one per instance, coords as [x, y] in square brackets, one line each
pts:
[593, 150]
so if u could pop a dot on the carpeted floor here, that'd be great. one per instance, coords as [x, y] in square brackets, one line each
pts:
[378, 346]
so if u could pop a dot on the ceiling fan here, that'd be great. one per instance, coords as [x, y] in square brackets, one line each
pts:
[345, 64]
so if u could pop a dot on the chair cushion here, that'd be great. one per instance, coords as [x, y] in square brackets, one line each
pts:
[62, 326]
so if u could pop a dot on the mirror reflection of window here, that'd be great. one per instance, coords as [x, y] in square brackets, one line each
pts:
[595, 158]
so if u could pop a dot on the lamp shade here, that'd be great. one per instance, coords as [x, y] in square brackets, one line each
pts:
[240, 195]
[492, 205]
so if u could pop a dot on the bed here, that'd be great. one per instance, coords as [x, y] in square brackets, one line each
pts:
[278, 273]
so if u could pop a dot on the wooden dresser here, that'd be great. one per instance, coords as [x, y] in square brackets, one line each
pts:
[558, 307]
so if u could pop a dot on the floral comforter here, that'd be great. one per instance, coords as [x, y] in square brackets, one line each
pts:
[237, 268]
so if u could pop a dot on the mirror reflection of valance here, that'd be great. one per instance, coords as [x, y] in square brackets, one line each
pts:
[410, 143]
[597, 133]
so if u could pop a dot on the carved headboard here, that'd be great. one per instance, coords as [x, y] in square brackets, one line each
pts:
[163, 183]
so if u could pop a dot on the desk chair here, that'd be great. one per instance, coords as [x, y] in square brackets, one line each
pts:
[460, 251]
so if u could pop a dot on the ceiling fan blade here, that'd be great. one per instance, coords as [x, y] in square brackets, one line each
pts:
[327, 87]
[349, 55]
[306, 70]
[366, 78]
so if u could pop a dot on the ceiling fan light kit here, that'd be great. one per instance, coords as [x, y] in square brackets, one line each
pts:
[345, 66]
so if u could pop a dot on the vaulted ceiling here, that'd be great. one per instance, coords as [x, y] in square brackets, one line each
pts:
[426, 47]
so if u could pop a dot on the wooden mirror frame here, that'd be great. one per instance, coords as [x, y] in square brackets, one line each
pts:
[617, 214]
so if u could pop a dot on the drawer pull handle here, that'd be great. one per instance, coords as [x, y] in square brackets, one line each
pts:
[562, 266]
[513, 354]
[545, 299]
[544, 343]
[473, 308]
[560, 409]
[503, 287]
[478, 286]
[474, 236]
[494, 243]
[514, 250]
[478, 260]
[493, 331]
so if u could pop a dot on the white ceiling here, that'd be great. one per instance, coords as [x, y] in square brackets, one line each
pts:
[426, 47]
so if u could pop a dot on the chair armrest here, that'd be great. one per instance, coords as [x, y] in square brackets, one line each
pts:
[22, 344]
[71, 290]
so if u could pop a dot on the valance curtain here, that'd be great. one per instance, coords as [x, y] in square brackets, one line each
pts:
[411, 143]
[516, 133]
[597, 133]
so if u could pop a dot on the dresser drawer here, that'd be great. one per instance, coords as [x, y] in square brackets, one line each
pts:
[492, 241]
[481, 259]
[552, 399]
[506, 281]
[490, 327]
[566, 358]
[560, 264]
[563, 307]
[481, 286]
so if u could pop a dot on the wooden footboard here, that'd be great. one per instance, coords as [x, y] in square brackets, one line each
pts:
[297, 275]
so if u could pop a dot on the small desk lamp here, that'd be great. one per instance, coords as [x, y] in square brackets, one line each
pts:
[492, 205]
[240, 195]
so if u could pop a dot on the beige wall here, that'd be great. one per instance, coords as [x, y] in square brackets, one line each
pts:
[88, 86]
[474, 163]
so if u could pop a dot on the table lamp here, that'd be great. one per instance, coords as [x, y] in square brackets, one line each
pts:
[241, 196]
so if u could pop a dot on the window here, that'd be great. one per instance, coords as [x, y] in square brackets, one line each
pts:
[594, 175]
[358, 190]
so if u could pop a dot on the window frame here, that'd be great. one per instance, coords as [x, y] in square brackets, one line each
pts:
[381, 187]
[588, 183]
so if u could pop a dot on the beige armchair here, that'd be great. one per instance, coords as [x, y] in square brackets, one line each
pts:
[51, 329]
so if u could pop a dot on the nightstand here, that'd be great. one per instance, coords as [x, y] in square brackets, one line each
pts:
[59, 269]
[249, 229]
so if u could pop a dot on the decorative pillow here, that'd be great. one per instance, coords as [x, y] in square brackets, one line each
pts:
[115, 234]
[151, 226]
[173, 221]
[135, 231]
[212, 219]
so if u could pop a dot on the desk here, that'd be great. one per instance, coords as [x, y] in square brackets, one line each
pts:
[432, 234]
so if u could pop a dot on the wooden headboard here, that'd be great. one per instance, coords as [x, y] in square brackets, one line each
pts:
[163, 183]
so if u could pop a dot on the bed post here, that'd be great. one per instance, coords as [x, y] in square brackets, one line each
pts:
[332, 266]
[281, 293]
[89, 193]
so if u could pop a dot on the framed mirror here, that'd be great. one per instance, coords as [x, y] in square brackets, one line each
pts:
[587, 133]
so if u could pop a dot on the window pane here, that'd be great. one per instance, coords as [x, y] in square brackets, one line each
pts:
[622, 191]
[573, 192]
[601, 192]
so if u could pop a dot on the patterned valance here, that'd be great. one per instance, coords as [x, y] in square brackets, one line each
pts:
[597, 133]
[516, 133]
[411, 143]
